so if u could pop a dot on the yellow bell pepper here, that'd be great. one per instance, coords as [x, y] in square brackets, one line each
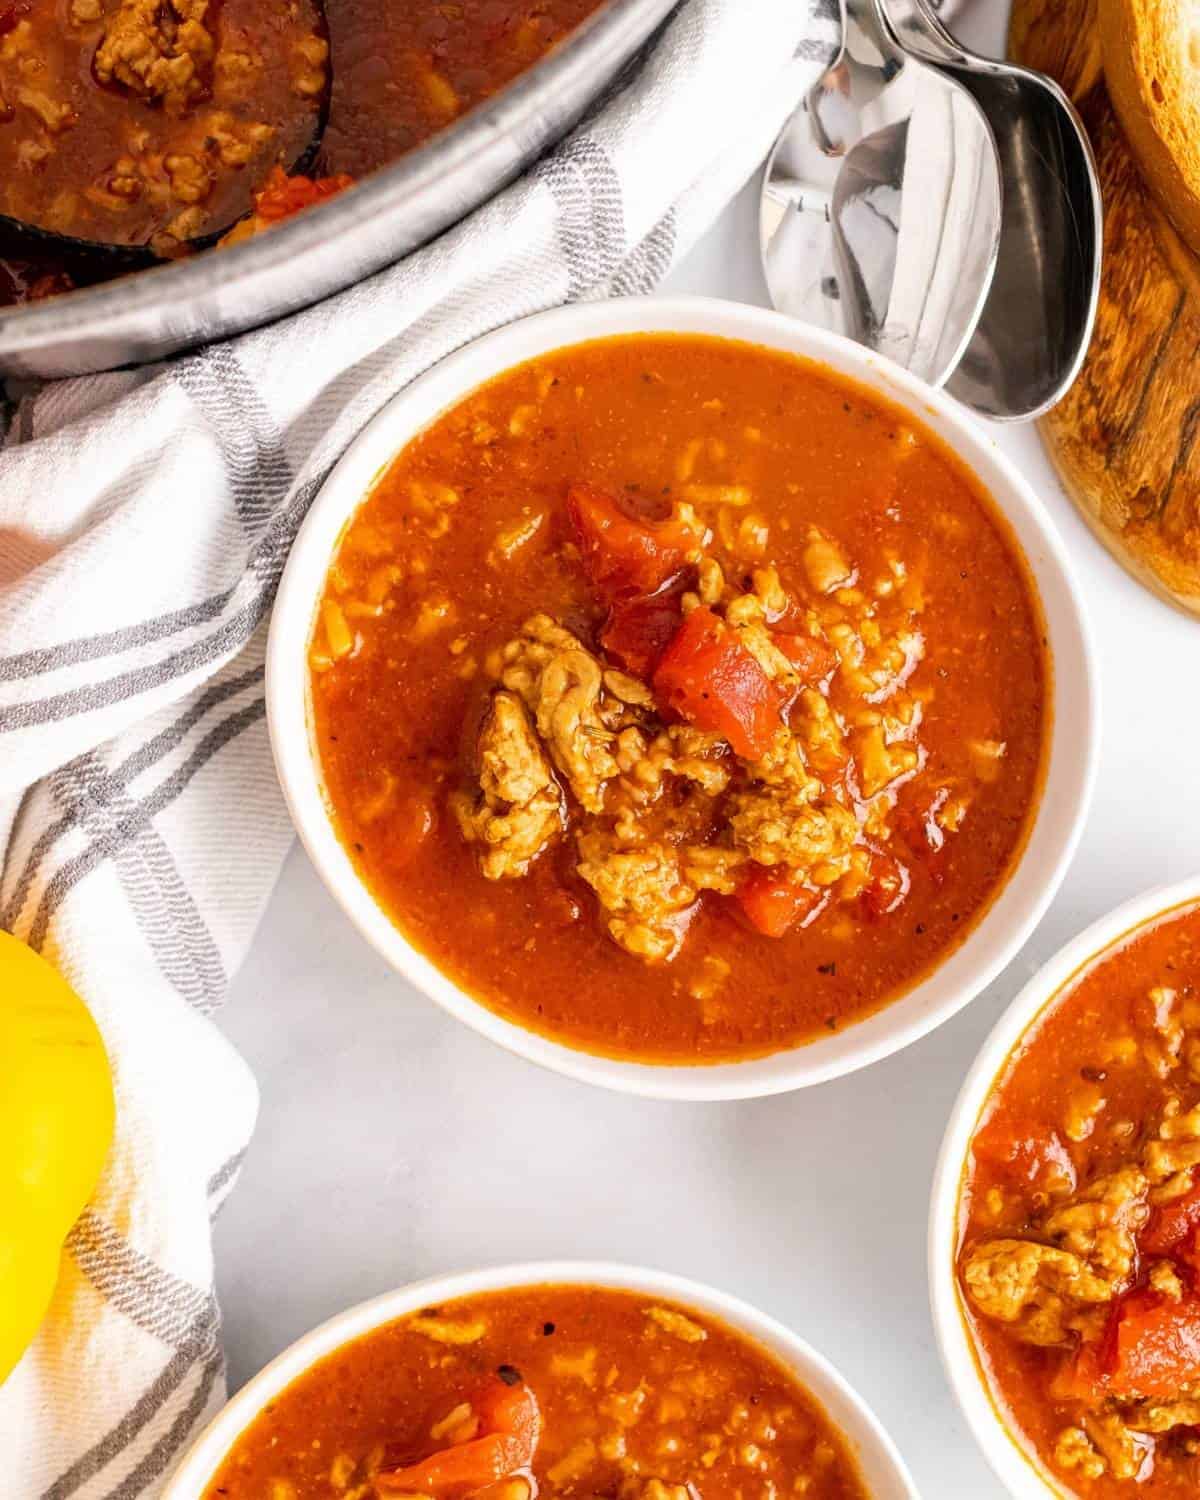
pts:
[56, 1124]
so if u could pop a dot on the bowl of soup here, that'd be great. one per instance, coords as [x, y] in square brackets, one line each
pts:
[554, 1380]
[670, 690]
[1065, 1231]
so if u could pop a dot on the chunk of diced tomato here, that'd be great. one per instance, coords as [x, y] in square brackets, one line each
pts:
[622, 553]
[1025, 1152]
[813, 660]
[282, 196]
[1083, 1376]
[1171, 1224]
[1157, 1345]
[916, 823]
[510, 1426]
[640, 627]
[887, 885]
[774, 901]
[709, 679]
[915, 820]
[509, 1407]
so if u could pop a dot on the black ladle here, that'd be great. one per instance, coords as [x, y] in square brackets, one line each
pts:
[97, 260]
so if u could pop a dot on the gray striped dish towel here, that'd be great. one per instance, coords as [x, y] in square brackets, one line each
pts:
[144, 520]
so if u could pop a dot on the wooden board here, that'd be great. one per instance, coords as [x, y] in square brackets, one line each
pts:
[1125, 438]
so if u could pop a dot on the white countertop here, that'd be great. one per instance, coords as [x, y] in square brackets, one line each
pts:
[394, 1143]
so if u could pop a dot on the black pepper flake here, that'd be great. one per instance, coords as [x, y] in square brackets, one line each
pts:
[920, 929]
[509, 1375]
[547, 1329]
[830, 968]
[831, 1023]
[954, 916]
[358, 846]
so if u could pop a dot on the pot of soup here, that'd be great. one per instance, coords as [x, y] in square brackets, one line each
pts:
[144, 144]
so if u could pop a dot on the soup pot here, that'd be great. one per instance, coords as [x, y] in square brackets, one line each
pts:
[882, 1469]
[1012, 914]
[211, 296]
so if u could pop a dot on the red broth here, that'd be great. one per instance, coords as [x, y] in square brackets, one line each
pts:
[637, 1399]
[921, 791]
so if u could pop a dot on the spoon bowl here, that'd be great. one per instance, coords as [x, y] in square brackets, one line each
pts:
[1038, 318]
[881, 204]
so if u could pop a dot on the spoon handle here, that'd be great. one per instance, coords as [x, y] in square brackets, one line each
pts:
[920, 30]
[870, 57]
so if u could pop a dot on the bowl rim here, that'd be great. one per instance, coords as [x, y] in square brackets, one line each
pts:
[871, 1445]
[1069, 774]
[1012, 1460]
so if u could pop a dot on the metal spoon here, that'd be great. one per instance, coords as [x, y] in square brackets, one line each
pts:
[1038, 318]
[880, 213]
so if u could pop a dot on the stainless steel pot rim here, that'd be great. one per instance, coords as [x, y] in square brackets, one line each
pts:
[338, 221]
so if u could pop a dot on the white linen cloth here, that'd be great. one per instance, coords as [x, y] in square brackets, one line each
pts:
[144, 521]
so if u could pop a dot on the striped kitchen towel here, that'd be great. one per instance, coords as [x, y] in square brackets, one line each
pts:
[144, 520]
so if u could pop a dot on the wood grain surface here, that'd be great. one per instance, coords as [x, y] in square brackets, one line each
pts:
[1124, 440]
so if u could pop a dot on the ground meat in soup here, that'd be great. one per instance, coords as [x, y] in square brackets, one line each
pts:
[1080, 1256]
[158, 122]
[704, 688]
[546, 1391]
[141, 123]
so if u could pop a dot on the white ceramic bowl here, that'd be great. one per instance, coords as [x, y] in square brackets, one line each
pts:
[1012, 916]
[1013, 1461]
[880, 1464]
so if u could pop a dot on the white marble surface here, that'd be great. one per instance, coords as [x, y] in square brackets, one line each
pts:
[393, 1143]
